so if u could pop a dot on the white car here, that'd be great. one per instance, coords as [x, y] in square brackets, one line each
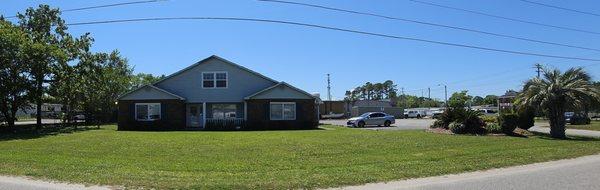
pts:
[414, 114]
[372, 118]
[79, 117]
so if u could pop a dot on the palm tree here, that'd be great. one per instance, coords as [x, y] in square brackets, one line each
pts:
[555, 91]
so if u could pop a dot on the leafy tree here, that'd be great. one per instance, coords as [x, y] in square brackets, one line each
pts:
[554, 91]
[373, 91]
[491, 100]
[478, 100]
[459, 99]
[142, 79]
[13, 71]
[109, 76]
[51, 45]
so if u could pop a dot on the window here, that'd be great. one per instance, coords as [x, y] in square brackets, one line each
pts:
[374, 115]
[147, 111]
[214, 80]
[283, 111]
[223, 111]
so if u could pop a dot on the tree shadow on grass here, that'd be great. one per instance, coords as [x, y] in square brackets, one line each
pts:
[546, 136]
[25, 132]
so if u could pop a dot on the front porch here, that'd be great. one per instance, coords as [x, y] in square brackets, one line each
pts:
[215, 116]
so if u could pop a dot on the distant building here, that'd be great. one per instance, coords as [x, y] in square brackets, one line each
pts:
[506, 101]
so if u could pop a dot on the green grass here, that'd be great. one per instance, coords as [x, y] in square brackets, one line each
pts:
[594, 125]
[332, 157]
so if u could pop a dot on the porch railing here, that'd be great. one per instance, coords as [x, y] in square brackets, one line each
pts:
[225, 124]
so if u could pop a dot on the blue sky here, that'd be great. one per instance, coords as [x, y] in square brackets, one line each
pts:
[303, 56]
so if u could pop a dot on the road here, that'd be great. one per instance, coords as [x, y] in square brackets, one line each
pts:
[573, 174]
[401, 124]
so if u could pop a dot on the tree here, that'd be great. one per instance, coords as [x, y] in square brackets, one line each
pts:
[478, 101]
[554, 91]
[491, 100]
[13, 71]
[103, 77]
[459, 99]
[373, 91]
[50, 46]
[142, 79]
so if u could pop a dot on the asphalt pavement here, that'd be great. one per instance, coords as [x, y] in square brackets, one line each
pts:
[573, 174]
[400, 124]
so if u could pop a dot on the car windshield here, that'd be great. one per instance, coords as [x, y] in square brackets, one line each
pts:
[365, 114]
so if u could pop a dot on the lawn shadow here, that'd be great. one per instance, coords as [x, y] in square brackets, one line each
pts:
[546, 136]
[25, 132]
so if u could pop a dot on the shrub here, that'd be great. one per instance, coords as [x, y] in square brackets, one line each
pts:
[526, 118]
[473, 122]
[489, 118]
[439, 124]
[493, 128]
[508, 122]
[458, 128]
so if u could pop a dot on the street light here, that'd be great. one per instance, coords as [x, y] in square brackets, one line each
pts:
[445, 93]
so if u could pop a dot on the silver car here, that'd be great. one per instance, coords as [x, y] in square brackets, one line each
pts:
[371, 118]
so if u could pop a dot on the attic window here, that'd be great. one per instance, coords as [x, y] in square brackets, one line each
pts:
[214, 80]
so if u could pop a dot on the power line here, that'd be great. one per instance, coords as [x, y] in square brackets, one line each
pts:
[104, 6]
[429, 24]
[339, 29]
[561, 8]
[506, 18]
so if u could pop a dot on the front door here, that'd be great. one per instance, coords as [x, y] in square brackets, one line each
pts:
[194, 115]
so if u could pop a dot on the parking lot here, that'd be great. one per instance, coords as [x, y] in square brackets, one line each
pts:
[401, 124]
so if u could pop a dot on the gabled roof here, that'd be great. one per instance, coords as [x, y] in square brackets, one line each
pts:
[218, 58]
[175, 96]
[310, 96]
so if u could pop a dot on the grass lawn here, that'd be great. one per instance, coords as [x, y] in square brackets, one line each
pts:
[594, 126]
[335, 156]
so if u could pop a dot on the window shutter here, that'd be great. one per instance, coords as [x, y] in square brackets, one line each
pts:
[163, 111]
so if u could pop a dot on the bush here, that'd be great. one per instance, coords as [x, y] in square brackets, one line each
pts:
[580, 119]
[493, 128]
[458, 128]
[508, 122]
[489, 118]
[439, 124]
[473, 122]
[526, 118]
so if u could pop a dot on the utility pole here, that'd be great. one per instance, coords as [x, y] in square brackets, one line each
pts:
[539, 69]
[445, 94]
[328, 88]
[428, 92]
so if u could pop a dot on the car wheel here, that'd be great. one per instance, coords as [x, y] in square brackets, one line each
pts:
[361, 124]
[387, 123]
[418, 116]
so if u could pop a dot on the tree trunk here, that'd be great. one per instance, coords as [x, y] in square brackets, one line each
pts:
[557, 122]
[38, 102]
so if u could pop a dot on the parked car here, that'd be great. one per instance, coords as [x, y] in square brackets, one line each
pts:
[568, 116]
[579, 119]
[371, 118]
[487, 112]
[79, 117]
[414, 114]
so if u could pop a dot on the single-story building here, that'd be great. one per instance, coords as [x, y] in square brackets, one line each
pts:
[217, 94]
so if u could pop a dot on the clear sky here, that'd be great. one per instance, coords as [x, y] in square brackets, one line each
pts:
[303, 56]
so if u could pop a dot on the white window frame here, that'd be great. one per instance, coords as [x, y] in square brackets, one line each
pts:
[283, 118]
[214, 74]
[148, 111]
